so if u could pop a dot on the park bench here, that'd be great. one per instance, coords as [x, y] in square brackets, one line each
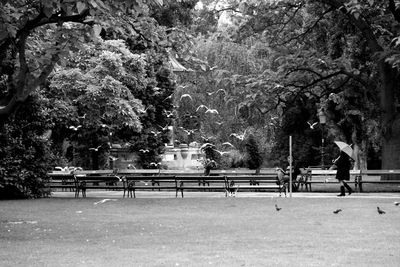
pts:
[199, 182]
[261, 182]
[63, 180]
[388, 177]
[318, 176]
[133, 183]
[96, 179]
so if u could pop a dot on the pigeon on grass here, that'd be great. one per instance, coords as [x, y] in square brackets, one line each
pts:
[380, 211]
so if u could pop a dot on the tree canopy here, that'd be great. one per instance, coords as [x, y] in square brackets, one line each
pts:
[94, 72]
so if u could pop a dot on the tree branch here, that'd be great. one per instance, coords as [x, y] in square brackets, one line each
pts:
[308, 28]
[392, 9]
[359, 22]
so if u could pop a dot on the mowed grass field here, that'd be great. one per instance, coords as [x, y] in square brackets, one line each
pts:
[200, 232]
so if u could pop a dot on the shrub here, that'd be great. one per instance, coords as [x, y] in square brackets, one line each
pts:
[25, 152]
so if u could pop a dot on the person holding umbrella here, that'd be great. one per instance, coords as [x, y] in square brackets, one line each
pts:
[343, 165]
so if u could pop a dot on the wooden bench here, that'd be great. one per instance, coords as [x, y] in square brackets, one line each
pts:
[63, 180]
[265, 181]
[84, 182]
[389, 177]
[133, 183]
[197, 182]
[329, 177]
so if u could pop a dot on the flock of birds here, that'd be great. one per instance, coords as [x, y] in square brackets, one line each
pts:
[379, 210]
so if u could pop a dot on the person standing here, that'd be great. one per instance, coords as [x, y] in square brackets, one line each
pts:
[343, 165]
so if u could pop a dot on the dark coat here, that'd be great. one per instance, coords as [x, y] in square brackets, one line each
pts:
[343, 165]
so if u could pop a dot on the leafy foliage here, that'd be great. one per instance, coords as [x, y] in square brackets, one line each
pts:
[25, 151]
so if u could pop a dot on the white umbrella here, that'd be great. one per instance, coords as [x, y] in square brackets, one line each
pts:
[346, 148]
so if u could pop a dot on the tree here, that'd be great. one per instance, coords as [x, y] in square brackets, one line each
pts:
[98, 87]
[25, 151]
[254, 160]
[36, 35]
[314, 51]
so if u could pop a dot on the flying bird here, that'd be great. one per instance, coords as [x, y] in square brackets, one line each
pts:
[216, 92]
[380, 211]
[95, 149]
[396, 203]
[82, 117]
[75, 128]
[62, 169]
[221, 152]
[239, 136]
[168, 97]
[155, 164]
[165, 128]
[228, 144]
[312, 125]
[104, 201]
[212, 111]
[155, 133]
[186, 96]
[201, 107]
[277, 208]
[337, 211]
[220, 91]
[169, 113]
[144, 150]
[112, 158]
[144, 110]
[104, 126]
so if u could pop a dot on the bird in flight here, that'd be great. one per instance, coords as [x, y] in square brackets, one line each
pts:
[168, 97]
[82, 117]
[104, 201]
[277, 208]
[312, 125]
[62, 169]
[228, 144]
[380, 211]
[186, 96]
[216, 92]
[104, 126]
[396, 203]
[222, 152]
[144, 150]
[239, 136]
[169, 113]
[337, 211]
[201, 107]
[212, 111]
[75, 128]
[95, 149]
[165, 128]
[155, 133]
[112, 158]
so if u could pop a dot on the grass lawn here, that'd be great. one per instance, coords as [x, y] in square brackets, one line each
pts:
[199, 232]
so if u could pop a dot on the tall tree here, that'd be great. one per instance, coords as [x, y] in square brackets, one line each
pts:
[337, 52]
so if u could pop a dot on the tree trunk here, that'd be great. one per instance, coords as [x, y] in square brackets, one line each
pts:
[390, 119]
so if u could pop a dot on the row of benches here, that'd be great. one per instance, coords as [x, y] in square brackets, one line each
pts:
[130, 182]
[221, 180]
